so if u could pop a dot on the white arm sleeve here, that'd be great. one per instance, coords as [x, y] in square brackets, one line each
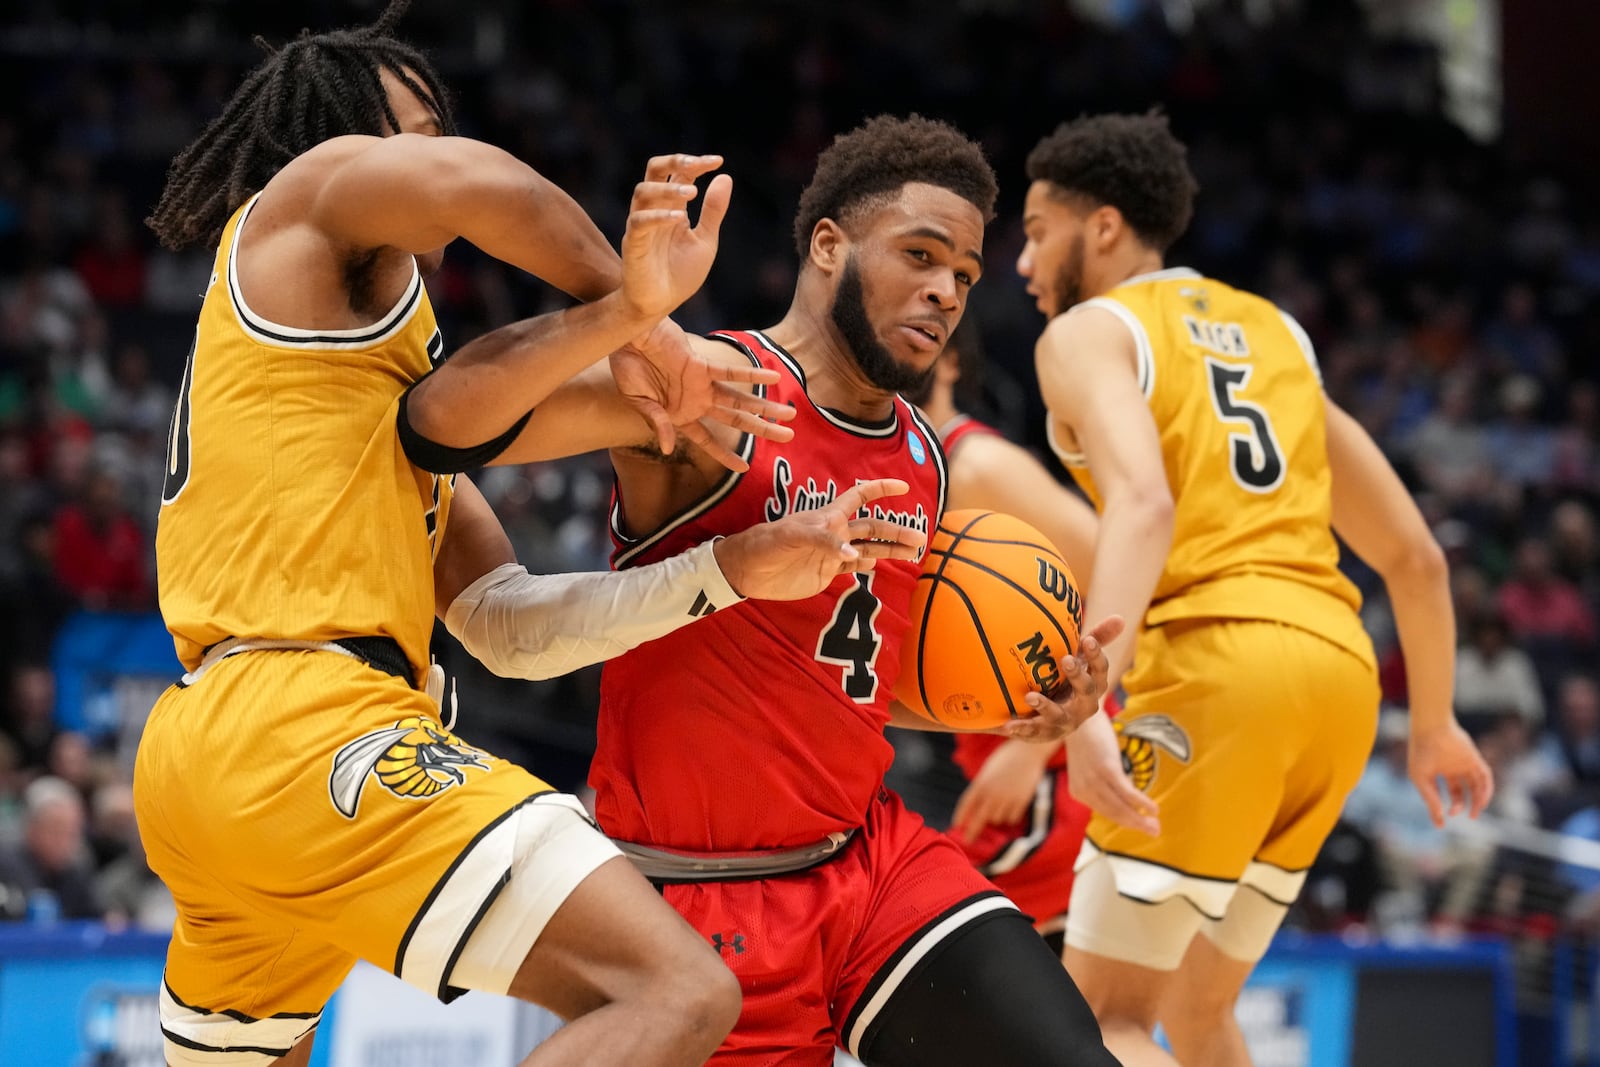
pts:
[523, 625]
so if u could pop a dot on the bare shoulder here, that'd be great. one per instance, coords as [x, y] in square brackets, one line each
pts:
[310, 170]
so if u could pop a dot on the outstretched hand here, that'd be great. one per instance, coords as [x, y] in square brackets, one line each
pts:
[678, 391]
[1448, 754]
[799, 555]
[664, 259]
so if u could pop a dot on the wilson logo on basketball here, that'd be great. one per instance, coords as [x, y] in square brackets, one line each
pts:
[1038, 661]
[414, 759]
[1059, 586]
[1143, 739]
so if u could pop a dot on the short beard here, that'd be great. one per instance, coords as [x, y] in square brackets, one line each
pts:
[1068, 285]
[871, 356]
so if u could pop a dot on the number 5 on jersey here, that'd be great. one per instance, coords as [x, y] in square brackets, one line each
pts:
[851, 639]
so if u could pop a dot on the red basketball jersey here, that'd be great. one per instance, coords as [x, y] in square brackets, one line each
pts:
[761, 725]
[972, 749]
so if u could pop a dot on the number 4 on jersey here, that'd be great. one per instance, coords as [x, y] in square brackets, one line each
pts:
[851, 640]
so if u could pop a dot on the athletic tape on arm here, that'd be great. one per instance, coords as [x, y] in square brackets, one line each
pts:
[523, 625]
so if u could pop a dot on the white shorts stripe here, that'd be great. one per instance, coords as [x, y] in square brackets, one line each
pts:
[1151, 883]
[926, 944]
[215, 1039]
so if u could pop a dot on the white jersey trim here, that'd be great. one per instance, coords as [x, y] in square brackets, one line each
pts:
[1144, 354]
[1066, 455]
[268, 332]
[858, 428]
[1303, 339]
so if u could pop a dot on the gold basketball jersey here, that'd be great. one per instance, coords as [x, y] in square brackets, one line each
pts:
[289, 510]
[1237, 398]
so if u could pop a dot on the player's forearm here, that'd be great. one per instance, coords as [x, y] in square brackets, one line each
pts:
[484, 388]
[525, 220]
[1424, 617]
[523, 625]
[1135, 535]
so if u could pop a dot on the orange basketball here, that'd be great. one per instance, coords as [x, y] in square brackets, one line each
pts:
[994, 612]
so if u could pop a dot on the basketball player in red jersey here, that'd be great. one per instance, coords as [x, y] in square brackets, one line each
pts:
[1017, 821]
[740, 761]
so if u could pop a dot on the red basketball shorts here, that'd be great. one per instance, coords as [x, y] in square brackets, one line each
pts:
[819, 952]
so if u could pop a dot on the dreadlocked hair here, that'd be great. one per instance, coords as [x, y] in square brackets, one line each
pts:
[1131, 162]
[862, 169]
[316, 87]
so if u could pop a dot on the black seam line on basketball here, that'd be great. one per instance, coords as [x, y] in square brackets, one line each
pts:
[886, 968]
[179, 1039]
[238, 1016]
[1001, 541]
[922, 634]
[383, 326]
[438, 886]
[994, 663]
[1035, 601]
[874, 431]
[717, 493]
[466, 935]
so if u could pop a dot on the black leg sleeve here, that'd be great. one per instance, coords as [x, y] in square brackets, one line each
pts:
[991, 994]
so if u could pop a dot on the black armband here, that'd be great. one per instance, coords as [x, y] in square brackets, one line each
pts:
[435, 458]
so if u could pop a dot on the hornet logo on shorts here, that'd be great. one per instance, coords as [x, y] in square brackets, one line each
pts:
[1141, 737]
[415, 758]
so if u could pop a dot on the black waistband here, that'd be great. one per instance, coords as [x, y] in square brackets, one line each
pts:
[379, 653]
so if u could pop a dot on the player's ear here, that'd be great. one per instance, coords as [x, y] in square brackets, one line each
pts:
[829, 246]
[1105, 226]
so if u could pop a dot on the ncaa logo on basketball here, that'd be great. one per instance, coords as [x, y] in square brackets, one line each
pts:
[1038, 662]
[919, 451]
[415, 759]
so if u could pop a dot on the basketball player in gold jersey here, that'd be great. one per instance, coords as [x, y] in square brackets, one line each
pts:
[1193, 415]
[297, 790]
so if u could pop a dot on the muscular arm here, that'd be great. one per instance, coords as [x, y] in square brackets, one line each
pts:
[1378, 519]
[1086, 365]
[419, 193]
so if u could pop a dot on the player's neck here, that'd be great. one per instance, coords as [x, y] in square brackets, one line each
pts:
[1132, 263]
[833, 378]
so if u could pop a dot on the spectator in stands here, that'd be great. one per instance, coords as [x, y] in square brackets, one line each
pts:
[1539, 604]
[1425, 870]
[1576, 737]
[129, 889]
[1577, 441]
[100, 550]
[1494, 676]
[53, 861]
[29, 719]
[1448, 448]
[1521, 450]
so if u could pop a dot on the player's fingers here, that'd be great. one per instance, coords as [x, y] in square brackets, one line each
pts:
[650, 220]
[1482, 788]
[871, 550]
[742, 372]
[702, 439]
[1457, 785]
[715, 207]
[1108, 629]
[745, 422]
[1428, 787]
[884, 530]
[1131, 808]
[857, 496]
[670, 195]
[744, 400]
[666, 437]
[681, 165]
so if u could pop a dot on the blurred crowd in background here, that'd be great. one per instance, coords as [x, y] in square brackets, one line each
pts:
[1451, 291]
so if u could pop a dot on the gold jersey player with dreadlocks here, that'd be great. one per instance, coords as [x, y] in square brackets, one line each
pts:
[297, 791]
